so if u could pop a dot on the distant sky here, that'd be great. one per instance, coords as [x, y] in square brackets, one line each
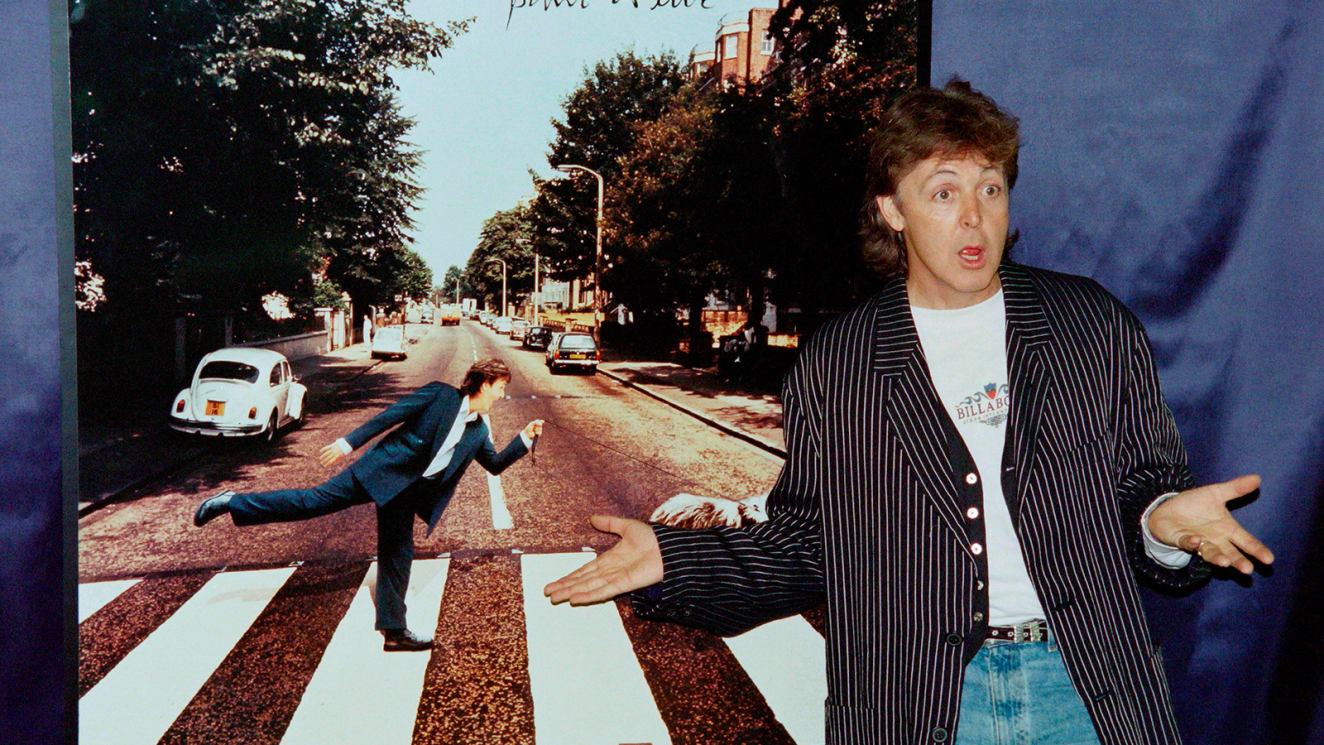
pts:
[484, 114]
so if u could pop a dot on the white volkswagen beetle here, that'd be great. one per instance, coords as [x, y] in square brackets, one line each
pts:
[240, 392]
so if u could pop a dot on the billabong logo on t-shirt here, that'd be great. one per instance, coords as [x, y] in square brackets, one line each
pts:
[989, 405]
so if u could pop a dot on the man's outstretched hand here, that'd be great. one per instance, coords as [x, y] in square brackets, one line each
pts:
[330, 454]
[632, 564]
[1198, 520]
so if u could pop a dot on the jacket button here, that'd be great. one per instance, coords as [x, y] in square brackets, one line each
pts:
[939, 734]
[971, 479]
[976, 549]
[954, 640]
[979, 584]
[972, 513]
[978, 616]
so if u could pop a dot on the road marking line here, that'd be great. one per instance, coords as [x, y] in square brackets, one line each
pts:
[501, 519]
[588, 688]
[93, 596]
[793, 680]
[141, 696]
[359, 693]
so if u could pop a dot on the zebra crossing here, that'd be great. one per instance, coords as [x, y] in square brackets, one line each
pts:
[288, 655]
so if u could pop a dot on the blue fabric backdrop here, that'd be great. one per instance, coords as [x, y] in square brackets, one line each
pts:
[36, 677]
[1173, 152]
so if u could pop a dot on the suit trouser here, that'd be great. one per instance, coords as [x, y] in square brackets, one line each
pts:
[395, 530]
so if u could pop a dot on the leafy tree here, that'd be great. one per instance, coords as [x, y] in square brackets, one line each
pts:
[698, 207]
[596, 131]
[452, 286]
[232, 148]
[841, 64]
[507, 235]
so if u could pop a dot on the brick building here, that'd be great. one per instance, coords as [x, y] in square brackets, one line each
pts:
[742, 51]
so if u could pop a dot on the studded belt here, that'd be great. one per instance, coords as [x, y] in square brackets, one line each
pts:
[1030, 631]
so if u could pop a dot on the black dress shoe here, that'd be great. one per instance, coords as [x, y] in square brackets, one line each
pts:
[212, 508]
[404, 640]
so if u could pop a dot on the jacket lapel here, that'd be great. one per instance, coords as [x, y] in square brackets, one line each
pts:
[1030, 377]
[449, 407]
[913, 409]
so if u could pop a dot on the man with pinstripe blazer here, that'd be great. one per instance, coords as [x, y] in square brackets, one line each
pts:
[979, 464]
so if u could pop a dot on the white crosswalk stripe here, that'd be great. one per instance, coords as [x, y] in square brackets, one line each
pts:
[580, 659]
[355, 676]
[93, 596]
[792, 679]
[139, 698]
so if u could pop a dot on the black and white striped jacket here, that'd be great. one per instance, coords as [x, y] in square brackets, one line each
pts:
[870, 509]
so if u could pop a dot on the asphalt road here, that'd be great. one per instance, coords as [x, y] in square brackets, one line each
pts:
[264, 634]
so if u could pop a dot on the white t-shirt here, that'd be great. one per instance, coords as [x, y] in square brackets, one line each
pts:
[966, 350]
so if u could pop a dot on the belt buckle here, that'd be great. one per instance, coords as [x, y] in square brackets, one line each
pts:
[1030, 631]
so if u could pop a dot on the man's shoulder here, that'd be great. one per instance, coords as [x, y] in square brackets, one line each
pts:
[1058, 287]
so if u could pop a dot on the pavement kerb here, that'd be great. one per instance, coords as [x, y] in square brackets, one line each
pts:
[192, 453]
[736, 432]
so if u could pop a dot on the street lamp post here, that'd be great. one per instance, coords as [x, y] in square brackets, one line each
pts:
[597, 256]
[503, 283]
[537, 292]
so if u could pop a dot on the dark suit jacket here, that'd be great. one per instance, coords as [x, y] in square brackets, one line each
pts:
[425, 418]
[870, 509]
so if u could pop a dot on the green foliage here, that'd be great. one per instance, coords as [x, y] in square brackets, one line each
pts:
[506, 236]
[231, 148]
[327, 294]
[842, 63]
[597, 131]
[452, 285]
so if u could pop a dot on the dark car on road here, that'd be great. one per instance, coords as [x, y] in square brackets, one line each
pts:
[574, 350]
[537, 337]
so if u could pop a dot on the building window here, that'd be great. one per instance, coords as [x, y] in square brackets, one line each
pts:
[768, 43]
[729, 46]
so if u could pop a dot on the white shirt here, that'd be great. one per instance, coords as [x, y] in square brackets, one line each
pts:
[966, 350]
[443, 457]
[967, 358]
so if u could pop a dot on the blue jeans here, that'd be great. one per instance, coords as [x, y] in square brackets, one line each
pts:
[1018, 693]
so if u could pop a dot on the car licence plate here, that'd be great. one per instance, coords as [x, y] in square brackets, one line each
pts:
[215, 408]
[578, 356]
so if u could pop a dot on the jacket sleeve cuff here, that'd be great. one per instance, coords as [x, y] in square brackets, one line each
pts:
[1165, 555]
[344, 446]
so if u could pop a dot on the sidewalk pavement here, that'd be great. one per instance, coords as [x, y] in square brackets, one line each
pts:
[752, 416]
[118, 456]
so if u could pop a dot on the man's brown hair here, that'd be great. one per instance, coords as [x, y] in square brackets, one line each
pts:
[923, 122]
[486, 371]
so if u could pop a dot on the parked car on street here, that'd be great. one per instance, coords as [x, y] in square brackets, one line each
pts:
[517, 329]
[536, 337]
[427, 315]
[485, 318]
[573, 349]
[389, 341]
[551, 347]
[502, 325]
[240, 392]
[450, 315]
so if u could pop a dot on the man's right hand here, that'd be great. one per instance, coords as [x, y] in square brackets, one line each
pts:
[330, 454]
[632, 564]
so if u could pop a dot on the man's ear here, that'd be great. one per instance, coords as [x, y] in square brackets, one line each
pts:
[887, 204]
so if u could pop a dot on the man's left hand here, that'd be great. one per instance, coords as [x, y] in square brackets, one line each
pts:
[1197, 520]
[534, 429]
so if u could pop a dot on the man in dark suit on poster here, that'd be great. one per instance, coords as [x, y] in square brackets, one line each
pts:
[980, 463]
[412, 471]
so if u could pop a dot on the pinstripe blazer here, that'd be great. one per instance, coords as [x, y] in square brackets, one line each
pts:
[870, 510]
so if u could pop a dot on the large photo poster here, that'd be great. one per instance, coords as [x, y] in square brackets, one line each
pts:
[302, 224]
[351, 344]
